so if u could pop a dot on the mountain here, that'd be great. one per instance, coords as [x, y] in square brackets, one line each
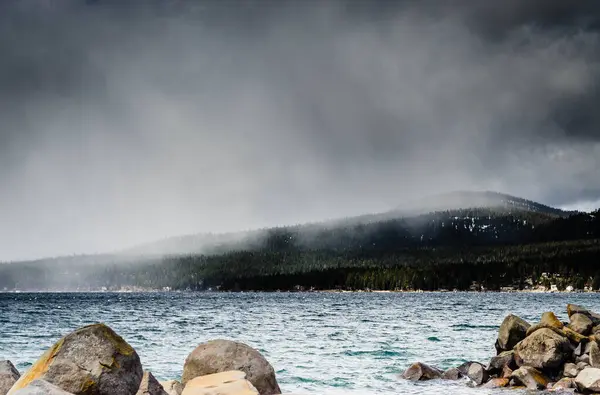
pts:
[476, 207]
[447, 241]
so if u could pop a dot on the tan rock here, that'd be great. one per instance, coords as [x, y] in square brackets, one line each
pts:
[172, 387]
[92, 360]
[581, 324]
[224, 383]
[564, 384]
[8, 376]
[594, 354]
[218, 356]
[570, 370]
[421, 372]
[41, 387]
[496, 383]
[530, 377]
[543, 349]
[588, 380]
[478, 374]
[150, 386]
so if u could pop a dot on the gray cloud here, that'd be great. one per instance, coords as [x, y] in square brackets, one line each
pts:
[122, 122]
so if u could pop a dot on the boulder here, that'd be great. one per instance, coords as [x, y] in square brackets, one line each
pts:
[41, 387]
[512, 330]
[544, 349]
[478, 374]
[218, 356]
[420, 372]
[570, 370]
[565, 383]
[594, 355]
[8, 376]
[498, 382]
[575, 309]
[172, 387]
[550, 319]
[505, 358]
[224, 383]
[506, 372]
[581, 324]
[150, 386]
[530, 377]
[92, 360]
[572, 335]
[452, 374]
[588, 380]
[464, 367]
[585, 358]
[582, 365]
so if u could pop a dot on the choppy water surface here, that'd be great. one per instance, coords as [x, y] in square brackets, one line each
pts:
[333, 343]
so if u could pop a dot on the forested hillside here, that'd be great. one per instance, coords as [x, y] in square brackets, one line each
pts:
[516, 245]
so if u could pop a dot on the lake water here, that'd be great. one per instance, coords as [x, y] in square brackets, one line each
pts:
[318, 343]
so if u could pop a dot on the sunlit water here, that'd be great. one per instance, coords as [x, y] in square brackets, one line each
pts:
[319, 343]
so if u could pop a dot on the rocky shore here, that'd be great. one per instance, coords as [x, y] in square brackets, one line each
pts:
[94, 360]
[548, 355]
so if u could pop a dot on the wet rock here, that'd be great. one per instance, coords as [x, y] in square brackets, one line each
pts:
[564, 384]
[594, 355]
[512, 330]
[41, 387]
[452, 374]
[92, 360]
[530, 377]
[8, 376]
[224, 355]
[478, 374]
[172, 387]
[420, 372]
[505, 358]
[581, 324]
[496, 383]
[570, 370]
[464, 367]
[544, 349]
[224, 383]
[588, 380]
[150, 386]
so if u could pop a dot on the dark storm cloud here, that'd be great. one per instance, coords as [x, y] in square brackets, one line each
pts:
[126, 121]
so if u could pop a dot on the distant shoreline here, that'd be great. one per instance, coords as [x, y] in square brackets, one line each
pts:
[293, 291]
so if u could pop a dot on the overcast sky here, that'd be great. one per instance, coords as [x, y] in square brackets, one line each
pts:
[126, 121]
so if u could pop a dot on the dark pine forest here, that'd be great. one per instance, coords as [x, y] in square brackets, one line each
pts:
[511, 243]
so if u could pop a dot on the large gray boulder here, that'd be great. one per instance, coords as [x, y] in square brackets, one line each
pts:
[543, 349]
[421, 372]
[512, 330]
[92, 360]
[150, 386]
[218, 356]
[8, 376]
[41, 387]
[588, 380]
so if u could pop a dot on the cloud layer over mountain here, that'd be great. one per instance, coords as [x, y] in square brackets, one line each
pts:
[123, 122]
